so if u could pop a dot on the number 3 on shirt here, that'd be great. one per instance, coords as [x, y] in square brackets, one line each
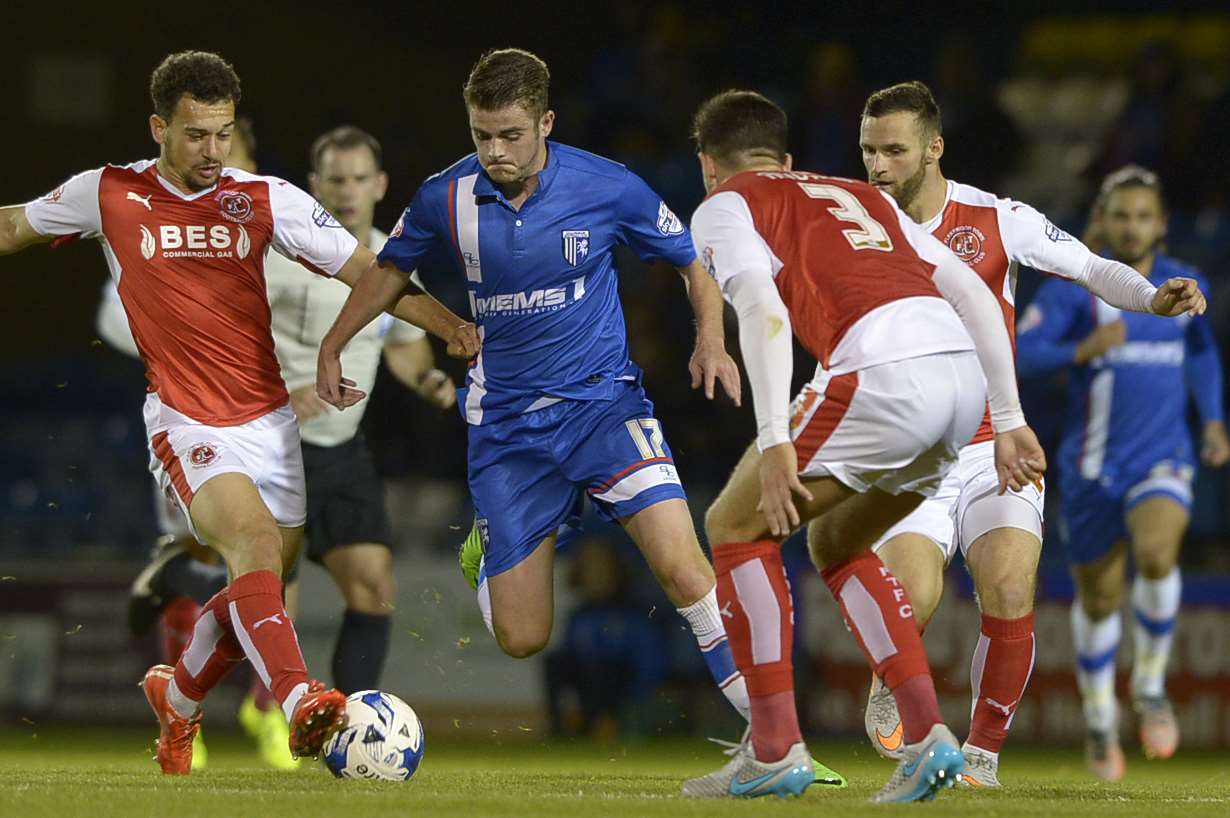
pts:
[871, 235]
[651, 446]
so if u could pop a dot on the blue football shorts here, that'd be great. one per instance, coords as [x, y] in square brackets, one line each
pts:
[1093, 513]
[529, 474]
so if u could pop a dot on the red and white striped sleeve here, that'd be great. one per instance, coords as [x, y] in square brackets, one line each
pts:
[70, 209]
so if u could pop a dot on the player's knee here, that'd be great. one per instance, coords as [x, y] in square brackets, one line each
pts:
[369, 592]
[821, 546]
[684, 582]
[925, 598]
[521, 643]
[1005, 594]
[1099, 602]
[1155, 559]
[256, 548]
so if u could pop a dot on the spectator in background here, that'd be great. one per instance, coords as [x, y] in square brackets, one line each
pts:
[825, 121]
[982, 143]
[612, 656]
[1214, 139]
[1159, 125]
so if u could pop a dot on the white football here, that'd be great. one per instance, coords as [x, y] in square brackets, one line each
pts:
[383, 739]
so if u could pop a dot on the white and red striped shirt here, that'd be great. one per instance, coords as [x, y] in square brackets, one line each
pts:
[993, 236]
[189, 269]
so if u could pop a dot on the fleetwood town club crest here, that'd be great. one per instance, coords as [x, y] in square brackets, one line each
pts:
[236, 206]
[967, 243]
[576, 246]
[203, 455]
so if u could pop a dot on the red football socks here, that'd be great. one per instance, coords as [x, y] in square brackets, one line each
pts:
[212, 652]
[754, 598]
[175, 627]
[267, 635]
[877, 611]
[999, 674]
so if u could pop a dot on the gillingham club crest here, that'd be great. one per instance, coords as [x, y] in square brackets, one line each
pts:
[576, 246]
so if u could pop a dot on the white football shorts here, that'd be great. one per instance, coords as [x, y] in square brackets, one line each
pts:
[897, 427]
[185, 454]
[968, 505]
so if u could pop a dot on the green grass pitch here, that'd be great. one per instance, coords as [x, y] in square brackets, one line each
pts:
[100, 774]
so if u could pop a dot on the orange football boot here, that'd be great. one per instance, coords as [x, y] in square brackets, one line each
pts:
[175, 733]
[318, 715]
[1159, 729]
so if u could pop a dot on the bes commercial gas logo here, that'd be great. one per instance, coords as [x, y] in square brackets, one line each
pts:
[547, 299]
[195, 241]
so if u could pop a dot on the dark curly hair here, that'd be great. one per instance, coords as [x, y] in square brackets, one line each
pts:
[202, 75]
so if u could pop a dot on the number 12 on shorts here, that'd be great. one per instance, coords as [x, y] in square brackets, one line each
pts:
[651, 446]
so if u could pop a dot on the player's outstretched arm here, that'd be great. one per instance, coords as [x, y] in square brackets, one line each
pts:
[765, 339]
[1032, 239]
[375, 288]
[16, 232]
[710, 362]
[1122, 286]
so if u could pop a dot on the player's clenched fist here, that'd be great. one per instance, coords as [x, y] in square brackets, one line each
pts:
[464, 342]
[1177, 296]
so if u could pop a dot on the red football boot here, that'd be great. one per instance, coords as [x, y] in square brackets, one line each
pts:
[320, 713]
[175, 733]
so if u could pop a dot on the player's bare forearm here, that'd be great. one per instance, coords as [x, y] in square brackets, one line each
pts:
[373, 289]
[421, 309]
[16, 233]
[707, 304]
[410, 361]
[710, 362]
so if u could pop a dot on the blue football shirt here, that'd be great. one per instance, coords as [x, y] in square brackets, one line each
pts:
[1127, 410]
[541, 280]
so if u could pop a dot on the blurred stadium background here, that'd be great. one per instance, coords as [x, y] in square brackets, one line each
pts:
[1039, 101]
